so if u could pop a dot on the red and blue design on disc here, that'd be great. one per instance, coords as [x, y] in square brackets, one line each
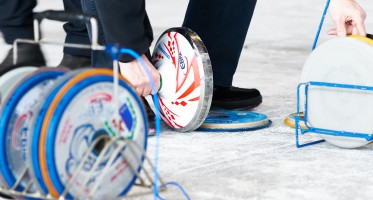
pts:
[35, 126]
[186, 89]
[234, 121]
[7, 82]
[17, 111]
[82, 111]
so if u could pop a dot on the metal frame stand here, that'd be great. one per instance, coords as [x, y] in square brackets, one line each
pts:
[119, 143]
[144, 179]
[299, 131]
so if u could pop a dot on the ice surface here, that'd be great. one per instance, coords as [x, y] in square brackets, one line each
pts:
[263, 164]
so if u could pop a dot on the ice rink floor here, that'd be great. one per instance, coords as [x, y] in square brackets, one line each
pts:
[263, 164]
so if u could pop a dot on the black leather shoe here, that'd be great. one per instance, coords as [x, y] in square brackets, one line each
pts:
[75, 62]
[235, 98]
[28, 55]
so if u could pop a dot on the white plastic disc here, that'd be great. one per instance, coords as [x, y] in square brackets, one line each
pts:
[16, 113]
[11, 78]
[35, 125]
[79, 113]
[186, 91]
[7, 82]
[343, 61]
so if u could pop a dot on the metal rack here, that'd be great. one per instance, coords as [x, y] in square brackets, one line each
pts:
[118, 143]
[144, 178]
[298, 119]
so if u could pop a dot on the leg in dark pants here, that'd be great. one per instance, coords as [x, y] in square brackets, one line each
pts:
[222, 26]
[76, 33]
[99, 58]
[16, 19]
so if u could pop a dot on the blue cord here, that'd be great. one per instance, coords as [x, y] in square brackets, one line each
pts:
[320, 25]
[176, 185]
[114, 52]
[157, 117]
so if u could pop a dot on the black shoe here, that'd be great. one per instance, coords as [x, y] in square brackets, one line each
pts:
[75, 62]
[28, 55]
[235, 98]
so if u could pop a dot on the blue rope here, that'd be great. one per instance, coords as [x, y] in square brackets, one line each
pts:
[157, 117]
[176, 185]
[320, 25]
[114, 52]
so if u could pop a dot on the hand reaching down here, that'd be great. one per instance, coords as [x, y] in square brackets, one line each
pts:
[135, 73]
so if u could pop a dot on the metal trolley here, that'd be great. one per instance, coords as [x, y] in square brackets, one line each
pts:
[115, 144]
[299, 119]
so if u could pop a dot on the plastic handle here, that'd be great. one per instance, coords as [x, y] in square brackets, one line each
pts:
[62, 16]
[370, 36]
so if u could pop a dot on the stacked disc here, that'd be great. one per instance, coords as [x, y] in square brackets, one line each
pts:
[185, 96]
[51, 117]
[7, 82]
[349, 61]
[18, 107]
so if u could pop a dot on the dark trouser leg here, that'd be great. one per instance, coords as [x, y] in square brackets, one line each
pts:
[222, 26]
[16, 19]
[99, 58]
[76, 32]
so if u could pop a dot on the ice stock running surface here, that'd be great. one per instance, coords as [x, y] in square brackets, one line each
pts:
[263, 164]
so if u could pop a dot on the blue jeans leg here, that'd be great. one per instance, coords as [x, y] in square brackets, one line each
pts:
[99, 58]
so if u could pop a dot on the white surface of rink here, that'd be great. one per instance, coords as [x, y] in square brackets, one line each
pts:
[263, 164]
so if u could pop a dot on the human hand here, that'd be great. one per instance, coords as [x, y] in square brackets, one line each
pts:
[137, 76]
[348, 16]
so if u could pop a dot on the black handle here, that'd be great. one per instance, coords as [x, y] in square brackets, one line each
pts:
[62, 16]
[370, 36]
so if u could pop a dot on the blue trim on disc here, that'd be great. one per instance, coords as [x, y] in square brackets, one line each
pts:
[233, 116]
[59, 111]
[36, 136]
[7, 111]
[235, 129]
